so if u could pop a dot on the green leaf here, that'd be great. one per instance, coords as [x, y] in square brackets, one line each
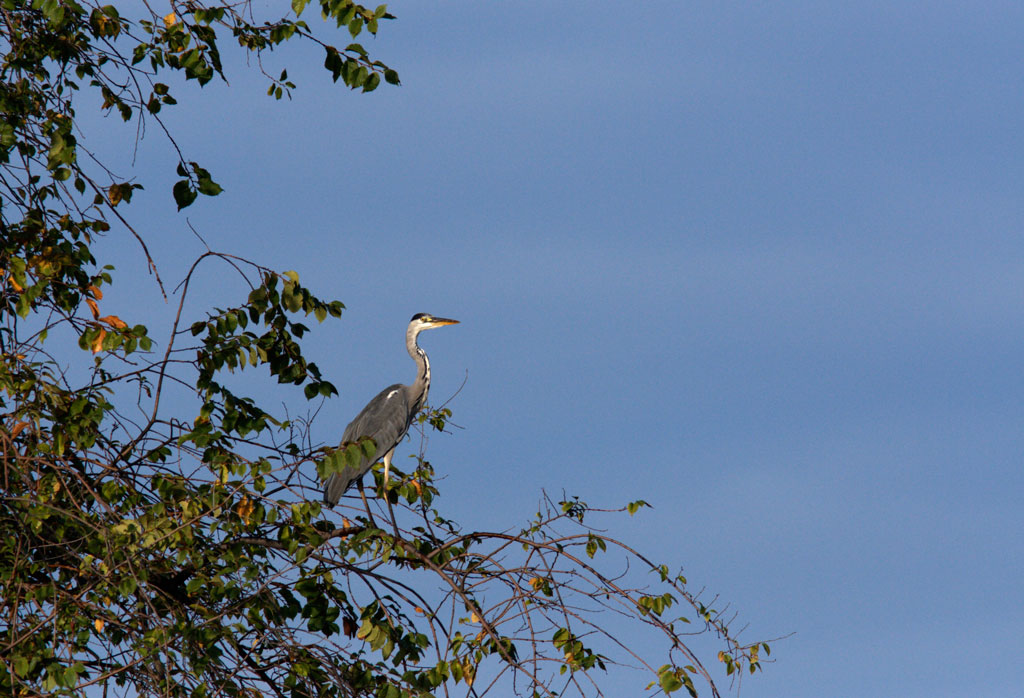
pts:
[668, 680]
[634, 507]
[208, 187]
[22, 306]
[184, 194]
[20, 665]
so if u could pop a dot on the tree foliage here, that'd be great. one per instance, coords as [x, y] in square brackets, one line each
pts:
[165, 547]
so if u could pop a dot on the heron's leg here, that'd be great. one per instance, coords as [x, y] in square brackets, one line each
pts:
[387, 467]
[366, 505]
[387, 470]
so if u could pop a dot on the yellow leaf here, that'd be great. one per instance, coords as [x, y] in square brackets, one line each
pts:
[245, 509]
[418, 487]
[418, 610]
[170, 20]
[46, 262]
[114, 321]
[97, 344]
[114, 195]
[14, 284]
[536, 582]
[93, 306]
[473, 618]
[99, 625]
[95, 292]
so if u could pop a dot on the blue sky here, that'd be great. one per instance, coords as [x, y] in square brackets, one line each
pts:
[760, 264]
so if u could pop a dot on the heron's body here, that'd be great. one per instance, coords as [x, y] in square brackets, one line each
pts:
[387, 417]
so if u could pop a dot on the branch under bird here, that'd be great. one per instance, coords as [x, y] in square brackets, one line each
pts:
[386, 418]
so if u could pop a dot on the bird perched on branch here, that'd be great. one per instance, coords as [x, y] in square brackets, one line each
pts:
[387, 417]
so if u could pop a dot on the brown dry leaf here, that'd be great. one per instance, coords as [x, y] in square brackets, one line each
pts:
[349, 627]
[97, 344]
[95, 292]
[16, 429]
[94, 307]
[418, 487]
[114, 321]
[114, 195]
[418, 610]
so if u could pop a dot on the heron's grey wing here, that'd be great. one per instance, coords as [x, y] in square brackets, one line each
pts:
[385, 419]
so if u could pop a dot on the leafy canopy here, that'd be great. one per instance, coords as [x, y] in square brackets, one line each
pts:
[161, 533]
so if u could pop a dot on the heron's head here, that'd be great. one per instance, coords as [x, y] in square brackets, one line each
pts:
[426, 321]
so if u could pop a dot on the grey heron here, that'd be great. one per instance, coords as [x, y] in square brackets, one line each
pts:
[386, 418]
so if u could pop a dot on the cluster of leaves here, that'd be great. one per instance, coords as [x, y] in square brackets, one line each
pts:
[162, 532]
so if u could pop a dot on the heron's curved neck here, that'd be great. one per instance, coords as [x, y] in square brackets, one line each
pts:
[422, 384]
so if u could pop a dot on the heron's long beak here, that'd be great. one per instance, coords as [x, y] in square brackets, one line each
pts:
[442, 321]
